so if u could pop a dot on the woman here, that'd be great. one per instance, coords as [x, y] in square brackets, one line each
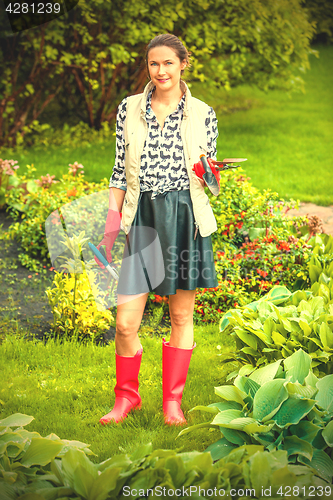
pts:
[160, 135]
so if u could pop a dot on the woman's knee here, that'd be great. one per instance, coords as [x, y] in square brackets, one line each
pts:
[127, 329]
[181, 318]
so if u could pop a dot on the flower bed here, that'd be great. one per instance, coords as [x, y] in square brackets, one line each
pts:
[255, 247]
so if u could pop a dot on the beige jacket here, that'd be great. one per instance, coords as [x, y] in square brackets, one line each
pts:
[194, 138]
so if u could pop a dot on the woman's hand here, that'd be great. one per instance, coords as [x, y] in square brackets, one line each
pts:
[112, 228]
[199, 170]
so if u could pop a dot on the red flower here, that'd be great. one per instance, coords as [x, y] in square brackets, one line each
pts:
[72, 192]
[283, 245]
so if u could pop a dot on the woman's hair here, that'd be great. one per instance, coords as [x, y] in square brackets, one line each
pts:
[168, 40]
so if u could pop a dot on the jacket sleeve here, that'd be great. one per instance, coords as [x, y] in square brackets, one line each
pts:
[212, 133]
[118, 177]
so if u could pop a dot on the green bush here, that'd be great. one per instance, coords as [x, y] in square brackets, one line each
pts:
[42, 136]
[282, 406]
[51, 468]
[282, 322]
[243, 209]
[320, 12]
[31, 201]
[74, 296]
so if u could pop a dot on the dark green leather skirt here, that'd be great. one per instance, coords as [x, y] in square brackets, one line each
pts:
[163, 251]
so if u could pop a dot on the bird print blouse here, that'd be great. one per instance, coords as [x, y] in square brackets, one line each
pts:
[162, 161]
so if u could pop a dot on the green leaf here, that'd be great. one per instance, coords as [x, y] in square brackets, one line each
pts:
[305, 430]
[305, 327]
[105, 483]
[247, 338]
[256, 232]
[268, 399]
[278, 339]
[328, 434]
[217, 407]
[175, 466]
[226, 416]
[292, 411]
[322, 463]
[225, 320]
[265, 374]
[207, 409]
[235, 436]
[32, 186]
[297, 366]
[317, 306]
[227, 405]
[14, 441]
[40, 452]
[247, 385]
[255, 428]
[220, 449]
[70, 462]
[194, 427]
[326, 336]
[325, 393]
[142, 451]
[284, 476]
[314, 273]
[16, 420]
[259, 462]
[278, 294]
[296, 446]
[296, 390]
[231, 393]
[83, 482]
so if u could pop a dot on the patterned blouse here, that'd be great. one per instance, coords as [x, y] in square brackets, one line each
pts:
[162, 161]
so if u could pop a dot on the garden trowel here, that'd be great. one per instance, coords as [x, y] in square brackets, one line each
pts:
[210, 178]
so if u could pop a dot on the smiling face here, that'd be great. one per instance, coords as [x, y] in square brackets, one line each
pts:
[165, 68]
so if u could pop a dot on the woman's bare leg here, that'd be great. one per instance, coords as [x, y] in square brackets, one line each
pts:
[181, 307]
[128, 320]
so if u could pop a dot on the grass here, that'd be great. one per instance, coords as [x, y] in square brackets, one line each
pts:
[67, 387]
[286, 138]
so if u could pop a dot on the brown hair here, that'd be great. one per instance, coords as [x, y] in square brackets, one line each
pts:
[174, 43]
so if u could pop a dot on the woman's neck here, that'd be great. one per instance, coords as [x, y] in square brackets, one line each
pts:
[167, 97]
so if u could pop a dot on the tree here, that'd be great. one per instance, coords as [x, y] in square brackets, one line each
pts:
[321, 13]
[93, 57]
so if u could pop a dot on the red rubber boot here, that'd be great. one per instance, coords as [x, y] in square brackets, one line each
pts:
[126, 389]
[175, 363]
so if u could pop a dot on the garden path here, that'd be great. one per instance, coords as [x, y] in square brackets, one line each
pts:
[324, 213]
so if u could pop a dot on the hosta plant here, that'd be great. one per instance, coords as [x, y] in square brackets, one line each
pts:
[282, 322]
[321, 262]
[282, 406]
[36, 468]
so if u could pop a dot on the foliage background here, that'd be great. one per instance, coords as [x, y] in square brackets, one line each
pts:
[88, 61]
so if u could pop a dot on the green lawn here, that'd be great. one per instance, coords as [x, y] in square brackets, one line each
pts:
[68, 387]
[287, 139]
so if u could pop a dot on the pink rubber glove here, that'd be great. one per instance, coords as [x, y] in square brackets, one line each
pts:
[112, 228]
